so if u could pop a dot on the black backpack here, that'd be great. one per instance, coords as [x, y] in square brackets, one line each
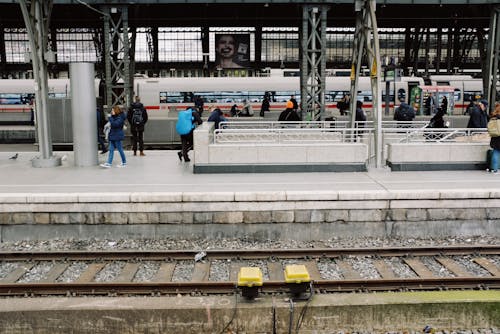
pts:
[137, 118]
[405, 113]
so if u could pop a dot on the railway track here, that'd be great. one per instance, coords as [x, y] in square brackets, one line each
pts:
[331, 270]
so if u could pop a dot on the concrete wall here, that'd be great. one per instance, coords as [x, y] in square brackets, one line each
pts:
[258, 215]
[246, 157]
[393, 312]
[437, 156]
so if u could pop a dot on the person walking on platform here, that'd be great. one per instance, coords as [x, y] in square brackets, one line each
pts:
[199, 103]
[478, 116]
[116, 135]
[265, 105]
[444, 105]
[343, 104]
[404, 113]
[101, 120]
[137, 118]
[186, 123]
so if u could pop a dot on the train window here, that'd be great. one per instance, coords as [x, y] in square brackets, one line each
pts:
[163, 97]
[57, 95]
[442, 83]
[171, 97]
[472, 96]
[401, 94]
[457, 94]
[15, 98]
[365, 95]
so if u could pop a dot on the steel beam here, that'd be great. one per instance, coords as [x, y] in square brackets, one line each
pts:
[313, 54]
[490, 79]
[366, 43]
[37, 20]
[119, 82]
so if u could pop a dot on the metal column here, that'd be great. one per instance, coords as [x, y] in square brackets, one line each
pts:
[313, 68]
[366, 43]
[83, 112]
[37, 20]
[490, 79]
[119, 82]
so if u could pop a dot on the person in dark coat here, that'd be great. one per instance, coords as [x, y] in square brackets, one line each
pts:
[478, 116]
[360, 114]
[116, 135]
[265, 105]
[436, 122]
[494, 144]
[234, 110]
[187, 140]
[199, 103]
[294, 102]
[137, 124]
[444, 104]
[216, 116]
[289, 114]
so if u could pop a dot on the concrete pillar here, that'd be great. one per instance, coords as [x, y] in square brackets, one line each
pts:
[83, 112]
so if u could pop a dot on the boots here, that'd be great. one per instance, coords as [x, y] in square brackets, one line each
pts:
[142, 154]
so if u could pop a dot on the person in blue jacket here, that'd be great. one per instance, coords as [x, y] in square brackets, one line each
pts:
[116, 135]
[216, 116]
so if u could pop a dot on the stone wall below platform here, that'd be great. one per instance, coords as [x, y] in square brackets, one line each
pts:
[257, 215]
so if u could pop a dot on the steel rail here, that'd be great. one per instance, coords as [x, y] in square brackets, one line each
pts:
[249, 253]
[226, 287]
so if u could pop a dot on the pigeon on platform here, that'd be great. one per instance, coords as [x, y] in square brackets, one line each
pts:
[14, 157]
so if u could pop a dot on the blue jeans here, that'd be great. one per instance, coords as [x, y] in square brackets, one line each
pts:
[118, 145]
[494, 159]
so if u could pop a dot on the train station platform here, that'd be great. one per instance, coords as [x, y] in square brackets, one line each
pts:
[157, 195]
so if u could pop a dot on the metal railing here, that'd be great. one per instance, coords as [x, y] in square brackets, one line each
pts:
[316, 124]
[290, 135]
[432, 135]
[324, 132]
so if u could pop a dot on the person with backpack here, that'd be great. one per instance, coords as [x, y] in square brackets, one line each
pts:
[137, 118]
[404, 113]
[478, 116]
[186, 123]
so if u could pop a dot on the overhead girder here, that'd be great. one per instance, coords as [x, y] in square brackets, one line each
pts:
[117, 60]
[366, 43]
[491, 75]
[36, 16]
[313, 61]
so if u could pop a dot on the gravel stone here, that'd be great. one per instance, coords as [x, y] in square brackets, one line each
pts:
[219, 270]
[36, 273]
[183, 271]
[6, 268]
[401, 269]
[147, 271]
[471, 266]
[110, 271]
[436, 267]
[364, 266]
[73, 272]
[329, 269]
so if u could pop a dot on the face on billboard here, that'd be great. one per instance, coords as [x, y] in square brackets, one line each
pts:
[232, 51]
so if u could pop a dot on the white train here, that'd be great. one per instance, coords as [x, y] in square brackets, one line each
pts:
[163, 96]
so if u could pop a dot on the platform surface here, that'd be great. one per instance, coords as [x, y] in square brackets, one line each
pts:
[161, 171]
